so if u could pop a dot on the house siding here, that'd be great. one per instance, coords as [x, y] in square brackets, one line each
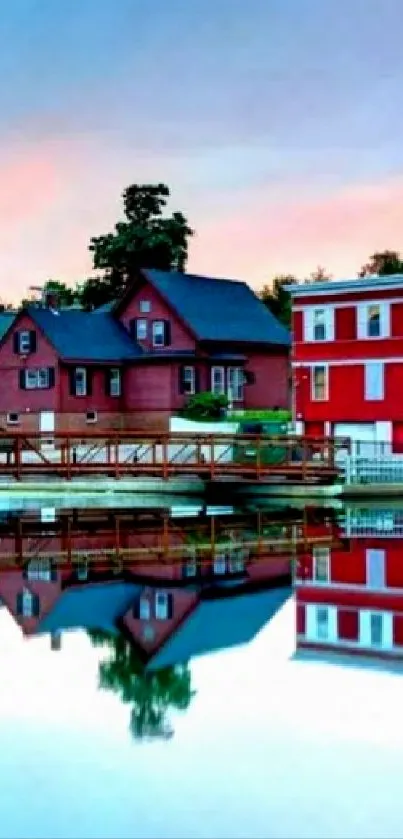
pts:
[12, 397]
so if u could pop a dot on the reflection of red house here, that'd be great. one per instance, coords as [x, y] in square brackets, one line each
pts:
[353, 601]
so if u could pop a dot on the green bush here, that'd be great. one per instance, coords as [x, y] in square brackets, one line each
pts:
[280, 415]
[205, 406]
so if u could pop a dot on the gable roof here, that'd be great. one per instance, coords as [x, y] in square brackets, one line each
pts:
[6, 320]
[219, 624]
[92, 606]
[83, 335]
[217, 310]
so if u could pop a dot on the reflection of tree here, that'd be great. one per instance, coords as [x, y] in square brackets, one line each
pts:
[150, 694]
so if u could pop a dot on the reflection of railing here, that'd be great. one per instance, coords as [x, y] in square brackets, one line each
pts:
[375, 523]
[129, 454]
[374, 469]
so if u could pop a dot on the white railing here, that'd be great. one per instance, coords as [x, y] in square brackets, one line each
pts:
[377, 523]
[380, 469]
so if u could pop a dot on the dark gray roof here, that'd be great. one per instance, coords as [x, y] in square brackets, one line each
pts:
[78, 335]
[219, 310]
[219, 624]
[6, 320]
[93, 606]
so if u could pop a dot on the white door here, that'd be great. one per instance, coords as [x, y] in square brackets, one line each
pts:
[47, 422]
[361, 434]
[375, 560]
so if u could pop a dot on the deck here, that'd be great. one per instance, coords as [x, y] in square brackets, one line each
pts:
[212, 457]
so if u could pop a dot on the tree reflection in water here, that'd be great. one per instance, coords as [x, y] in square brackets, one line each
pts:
[150, 694]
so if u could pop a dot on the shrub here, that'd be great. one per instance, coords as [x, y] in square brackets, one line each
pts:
[205, 406]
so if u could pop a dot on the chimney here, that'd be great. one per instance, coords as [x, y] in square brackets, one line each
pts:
[56, 641]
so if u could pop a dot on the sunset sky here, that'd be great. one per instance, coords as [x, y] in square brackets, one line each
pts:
[277, 125]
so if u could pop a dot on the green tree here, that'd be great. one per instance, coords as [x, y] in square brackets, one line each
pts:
[277, 298]
[320, 275]
[145, 239]
[150, 694]
[66, 296]
[382, 263]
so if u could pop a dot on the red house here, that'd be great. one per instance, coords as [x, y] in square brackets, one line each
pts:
[347, 360]
[353, 602]
[139, 359]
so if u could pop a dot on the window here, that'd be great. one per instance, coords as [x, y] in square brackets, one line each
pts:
[144, 609]
[82, 571]
[159, 333]
[322, 623]
[374, 380]
[80, 378]
[236, 561]
[219, 563]
[235, 384]
[115, 385]
[25, 342]
[376, 629]
[13, 419]
[190, 567]
[319, 325]
[321, 564]
[33, 379]
[39, 569]
[375, 567]
[373, 320]
[145, 307]
[141, 329]
[91, 417]
[187, 380]
[218, 380]
[319, 383]
[161, 605]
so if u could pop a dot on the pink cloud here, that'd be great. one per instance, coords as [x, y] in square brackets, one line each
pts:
[339, 231]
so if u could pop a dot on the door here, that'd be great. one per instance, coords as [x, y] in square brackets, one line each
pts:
[375, 560]
[361, 434]
[47, 422]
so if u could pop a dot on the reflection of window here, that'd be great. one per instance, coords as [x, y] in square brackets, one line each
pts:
[321, 562]
[27, 604]
[319, 383]
[219, 564]
[190, 566]
[145, 609]
[39, 569]
[161, 605]
[236, 561]
[322, 623]
[376, 629]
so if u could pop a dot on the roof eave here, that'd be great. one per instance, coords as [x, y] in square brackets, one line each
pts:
[376, 283]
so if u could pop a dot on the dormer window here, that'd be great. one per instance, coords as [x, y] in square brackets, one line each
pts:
[145, 307]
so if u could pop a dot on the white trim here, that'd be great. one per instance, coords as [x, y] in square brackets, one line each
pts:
[347, 286]
[349, 304]
[351, 361]
[365, 635]
[312, 631]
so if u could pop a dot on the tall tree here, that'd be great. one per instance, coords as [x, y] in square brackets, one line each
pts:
[145, 239]
[150, 695]
[382, 263]
[277, 298]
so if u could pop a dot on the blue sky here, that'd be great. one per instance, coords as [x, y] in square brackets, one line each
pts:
[276, 123]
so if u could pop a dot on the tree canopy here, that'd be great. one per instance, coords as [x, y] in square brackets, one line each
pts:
[382, 263]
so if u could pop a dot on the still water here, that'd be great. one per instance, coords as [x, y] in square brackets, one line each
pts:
[150, 682]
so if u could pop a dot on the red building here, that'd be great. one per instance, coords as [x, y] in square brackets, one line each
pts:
[348, 360]
[140, 358]
[352, 602]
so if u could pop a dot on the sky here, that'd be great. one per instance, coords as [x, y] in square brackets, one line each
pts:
[277, 125]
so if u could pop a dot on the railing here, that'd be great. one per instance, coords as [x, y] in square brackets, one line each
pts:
[130, 454]
[377, 523]
[379, 469]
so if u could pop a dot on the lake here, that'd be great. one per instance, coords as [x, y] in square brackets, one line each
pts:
[150, 681]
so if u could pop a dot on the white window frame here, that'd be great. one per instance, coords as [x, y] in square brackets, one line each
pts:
[115, 381]
[37, 379]
[158, 332]
[13, 421]
[371, 393]
[366, 638]
[24, 341]
[235, 387]
[39, 569]
[145, 307]
[161, 605]
[309, 323]
[320, 554]
[218, 388]
[324, 367]
[27, 605]
[312, 632]
[82, 389]
[363, 320]
[141, 329]
[190, 373]
[91, 417]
